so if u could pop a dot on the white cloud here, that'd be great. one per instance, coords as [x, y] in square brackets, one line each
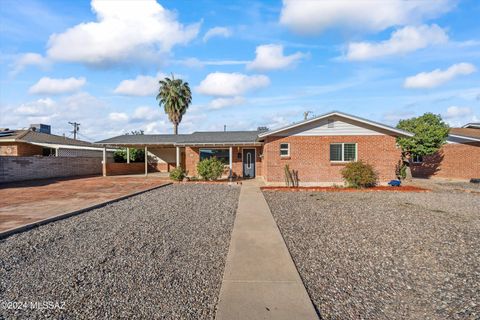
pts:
[147, 113]
[29, 59]
[48, 85]
[217, 32]
[271, 57]
[313, 16]
[437, 77]
[37, 108]
[125, 29]
[231, 84]
[140, 86]
[457, 112]
[118, 116]
[401, 41]
[220, 103]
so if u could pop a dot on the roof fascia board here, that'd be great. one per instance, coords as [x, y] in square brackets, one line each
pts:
[463, 137]
[226, 144]
[66, 146]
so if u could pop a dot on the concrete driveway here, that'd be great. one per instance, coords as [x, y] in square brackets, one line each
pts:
[31, 201]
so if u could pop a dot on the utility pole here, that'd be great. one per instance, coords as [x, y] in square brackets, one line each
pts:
[76, 128]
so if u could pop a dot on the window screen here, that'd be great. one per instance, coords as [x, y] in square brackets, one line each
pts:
[343, 152]
[349, 152]
[335, 152]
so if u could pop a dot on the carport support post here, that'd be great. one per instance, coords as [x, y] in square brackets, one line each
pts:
[128, 155]
[104, 162]
[178, 157]
[230, 157]
[146, 161]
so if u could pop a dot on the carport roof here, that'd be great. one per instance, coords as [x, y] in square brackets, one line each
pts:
[195, 138]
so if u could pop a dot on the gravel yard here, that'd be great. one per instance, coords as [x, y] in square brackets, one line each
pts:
[380, 255]
[157, 255]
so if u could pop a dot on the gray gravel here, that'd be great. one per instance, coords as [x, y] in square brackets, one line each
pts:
[157, 255]
[382, 255]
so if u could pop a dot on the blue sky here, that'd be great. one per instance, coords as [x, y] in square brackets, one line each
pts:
[248, 63]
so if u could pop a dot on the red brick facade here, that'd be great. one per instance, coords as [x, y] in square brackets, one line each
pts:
[310, 155]
[122, 168]
[192, 157]
[453, 161]
[19, 149]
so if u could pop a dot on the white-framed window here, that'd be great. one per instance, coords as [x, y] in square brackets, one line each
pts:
[284, 149]
[417, 158]
[343, 152]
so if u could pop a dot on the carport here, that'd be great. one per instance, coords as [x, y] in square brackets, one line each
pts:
[161, 154]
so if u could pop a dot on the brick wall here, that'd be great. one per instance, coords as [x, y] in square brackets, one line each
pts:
[310, 155]
[192, 157]
[19, 149]
[453, 161]
[31, 168]
[122, 168]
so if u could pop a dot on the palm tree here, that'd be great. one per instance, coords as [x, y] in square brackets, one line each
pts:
[175, 96]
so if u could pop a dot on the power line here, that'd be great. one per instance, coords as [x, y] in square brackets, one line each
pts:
[76, 128]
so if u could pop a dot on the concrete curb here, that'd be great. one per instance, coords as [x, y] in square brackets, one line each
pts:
[7, 233]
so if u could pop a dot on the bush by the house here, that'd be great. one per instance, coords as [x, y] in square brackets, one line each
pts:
[210, 169]
[359, 175]
[177, 174]
[136, 155]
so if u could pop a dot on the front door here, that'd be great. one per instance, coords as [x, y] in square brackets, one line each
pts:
[249, 163]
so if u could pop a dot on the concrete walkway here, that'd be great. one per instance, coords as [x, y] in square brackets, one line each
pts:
[260, 279]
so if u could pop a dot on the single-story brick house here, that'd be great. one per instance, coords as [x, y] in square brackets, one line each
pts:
[318, 148]
[38, 141]
[458, 159]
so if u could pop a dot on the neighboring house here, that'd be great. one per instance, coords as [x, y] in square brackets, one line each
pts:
[472, 125]
[37, 154]
[459, 158]
[318, 148]
[38, 141]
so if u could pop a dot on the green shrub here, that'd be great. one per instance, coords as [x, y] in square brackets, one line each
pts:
[177, 174]
[136, 155]
[359, 175]
[210, 169]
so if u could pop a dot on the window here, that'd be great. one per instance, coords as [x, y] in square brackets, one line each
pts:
[221, 154]
[343, 152]
[417, 159]
[284, 149]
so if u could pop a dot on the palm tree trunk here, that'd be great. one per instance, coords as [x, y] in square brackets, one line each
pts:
[175, 128]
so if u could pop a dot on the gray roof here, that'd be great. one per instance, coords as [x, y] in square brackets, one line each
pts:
[219, 137]
[142, 139]
[29, 136]
[195, 138]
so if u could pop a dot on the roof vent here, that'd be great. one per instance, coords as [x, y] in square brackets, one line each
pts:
[262, 129]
